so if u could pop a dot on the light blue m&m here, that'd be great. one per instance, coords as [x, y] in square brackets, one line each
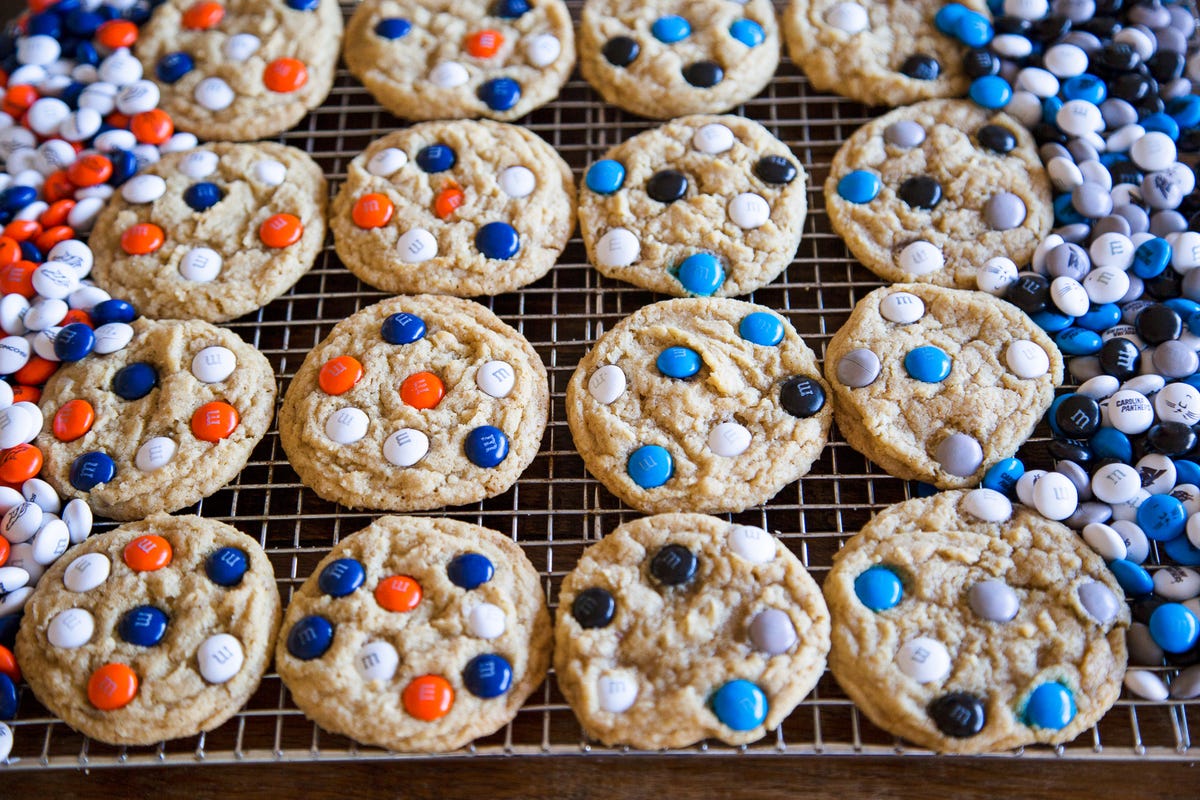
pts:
[928, 363]
[701, 274]
[859, 186]
[678, 362]
[990, 91]
[650, 466]
[878, 588]
[605, 176]
[740, 705]
[761, 328]
[1162, 517]
[1174, 628]
[671, 29]
[1050, 706]
[748, 32]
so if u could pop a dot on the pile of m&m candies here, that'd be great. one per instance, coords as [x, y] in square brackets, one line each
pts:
[1106, 88]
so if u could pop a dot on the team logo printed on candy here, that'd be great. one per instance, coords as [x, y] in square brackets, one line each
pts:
[241, 69]
[709, 404]
[668, 58]
[212, 233]
[158, 424]
[715, 626]
[107, 646]
[415, 403]
[933, 606]
[939, 192]
[456, 59]
[445, 626]
[706, 206]
[463, 208]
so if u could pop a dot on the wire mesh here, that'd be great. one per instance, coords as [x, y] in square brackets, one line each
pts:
[556, 509]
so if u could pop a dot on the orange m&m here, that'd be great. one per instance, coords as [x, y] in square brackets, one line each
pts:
[117, 33]
[73, 420]
[372, 210]
[5, 547]
[8, 663]
[398, 593]
[52, 236]
[90, 170]
[58, 187]
[447, 201]
[22, 230]
[10, 250]
[20, 463]
[484, 44]
[214, 421]
[285, 75]
[18, 278]
[77, 315]
[152, 127]
[37, 370]
[142, 238]
[281, 230]
[23, 393]
[112, 686]
[338, 375]
[428, 697]
[422, 390]
[204, 15]
[148, 553]
[58, 211]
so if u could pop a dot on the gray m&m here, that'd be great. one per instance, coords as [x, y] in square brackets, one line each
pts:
[995, 600]
[959, 454]
[858, 368]
[772, 632]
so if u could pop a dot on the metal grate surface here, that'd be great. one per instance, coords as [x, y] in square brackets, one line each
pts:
[556, 509]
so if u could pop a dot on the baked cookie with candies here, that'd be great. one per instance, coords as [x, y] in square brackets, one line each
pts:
[157, 630]
[238, 70]
[679, 627]
[461, 207]
[212, 233]
[935, 191]
[700, 404]
[937, 385]
[456, 59]
[887, 52]
[700, 206]
[161, 415]
[967, 625]
[668, 58]
[417, 634]
[414, 403]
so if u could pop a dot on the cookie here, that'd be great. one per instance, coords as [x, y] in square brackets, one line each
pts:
[464, 208]
[936, 384]
[456, 59]
[668, 58]
[156, 630]
[415, 403]
[701, 206]
[706, 405]
[967, 635]
[239, 70]
[417, 634]
[932, 192]
[881, 52]
[679, 627]
[159, 424]
[212, 233]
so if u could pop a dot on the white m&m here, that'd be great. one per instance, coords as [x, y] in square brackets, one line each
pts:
[143, 189]
[199, 164]
[241, 46]
[201, 265]
[543, 49]
[618, 248]
[486, 621]
[155, 454]
[607, 384]
[269, 172]
[87, 572]
[921, 258]
[347, 425]
[214, 364]
[220, 657]
[713, 138]
[728, 439]
[214, 94]
[518, 181]
[406, 447]
[1026, 359]
[902, 308]
[753, 544]
[496, 378]
[749, 211]
[386, 162]
[417, 246]
[616, 692]
[71, 628]
[377, 661]
[924, 660]
[448, 75]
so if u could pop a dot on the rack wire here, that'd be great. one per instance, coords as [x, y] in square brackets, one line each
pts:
[556, 509]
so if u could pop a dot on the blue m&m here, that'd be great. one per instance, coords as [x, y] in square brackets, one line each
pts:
[402, 328]
[859, 186]
[701, 274]
[134, 381]
[878, 588]
[605, 176]
[310, 638]
[488, 675]
[1051, 706]
[1003, 475]
[498, 240]
[393, 28]
[650, 466]
[8, 697]
[671, 29]
[303, 5]
[499, 94]
[486, 446]
[112, 311]
[678, 362]
[1174, 628]
[470, 570]
[144, 626]
[341, 577]
[1162, 517]
[761, 328]
[990, 91]
[202, 196]
[226, 566]
[92, 469]
[748, 32]
[928, 363]
[740, 705]
[74, 342]
[173, 66]
[436, 158]
[510, 9]
[1134, 580]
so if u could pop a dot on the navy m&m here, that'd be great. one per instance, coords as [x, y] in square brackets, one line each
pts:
[310, 637]
[392, 27]
[202, 196]
[173, 66]
[470, 570]
[486, 446]
[135, 381]
[92, 469]
[341, 577]
[498, 240]
[436, 158]
[499, 94]
[226, 566]
[594, 607]
[402, 328]
[674, 565]
[144, 626]
[487, 675]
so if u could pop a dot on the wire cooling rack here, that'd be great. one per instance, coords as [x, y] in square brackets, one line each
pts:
[556, 509]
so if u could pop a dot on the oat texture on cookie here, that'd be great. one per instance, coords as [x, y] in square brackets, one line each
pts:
[212, 233]
[704, 206]
[934, 191]
[418, 634]
[159, 629]
[967, 625]
[698, 404]
[457, 59]
[239, 70]
[166, 420]
[461, 207]
[414, 403]
[679, 627]
[667, 58]
[886, 52]
[939, 384]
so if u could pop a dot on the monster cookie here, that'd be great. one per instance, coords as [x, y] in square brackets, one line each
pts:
[161, 415]
[415, 403]
[933, 192]
[156, 630]
[701, 206]
[462, 207]
[706, 405]
[887, 52]
[679, 627]
[213, 233]
[240, 69]
[966, 625]
[668, 58]
[450, 59]
[416, 634]
[938, 384]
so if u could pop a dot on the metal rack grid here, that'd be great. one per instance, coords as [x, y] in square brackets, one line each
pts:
[556, 509]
